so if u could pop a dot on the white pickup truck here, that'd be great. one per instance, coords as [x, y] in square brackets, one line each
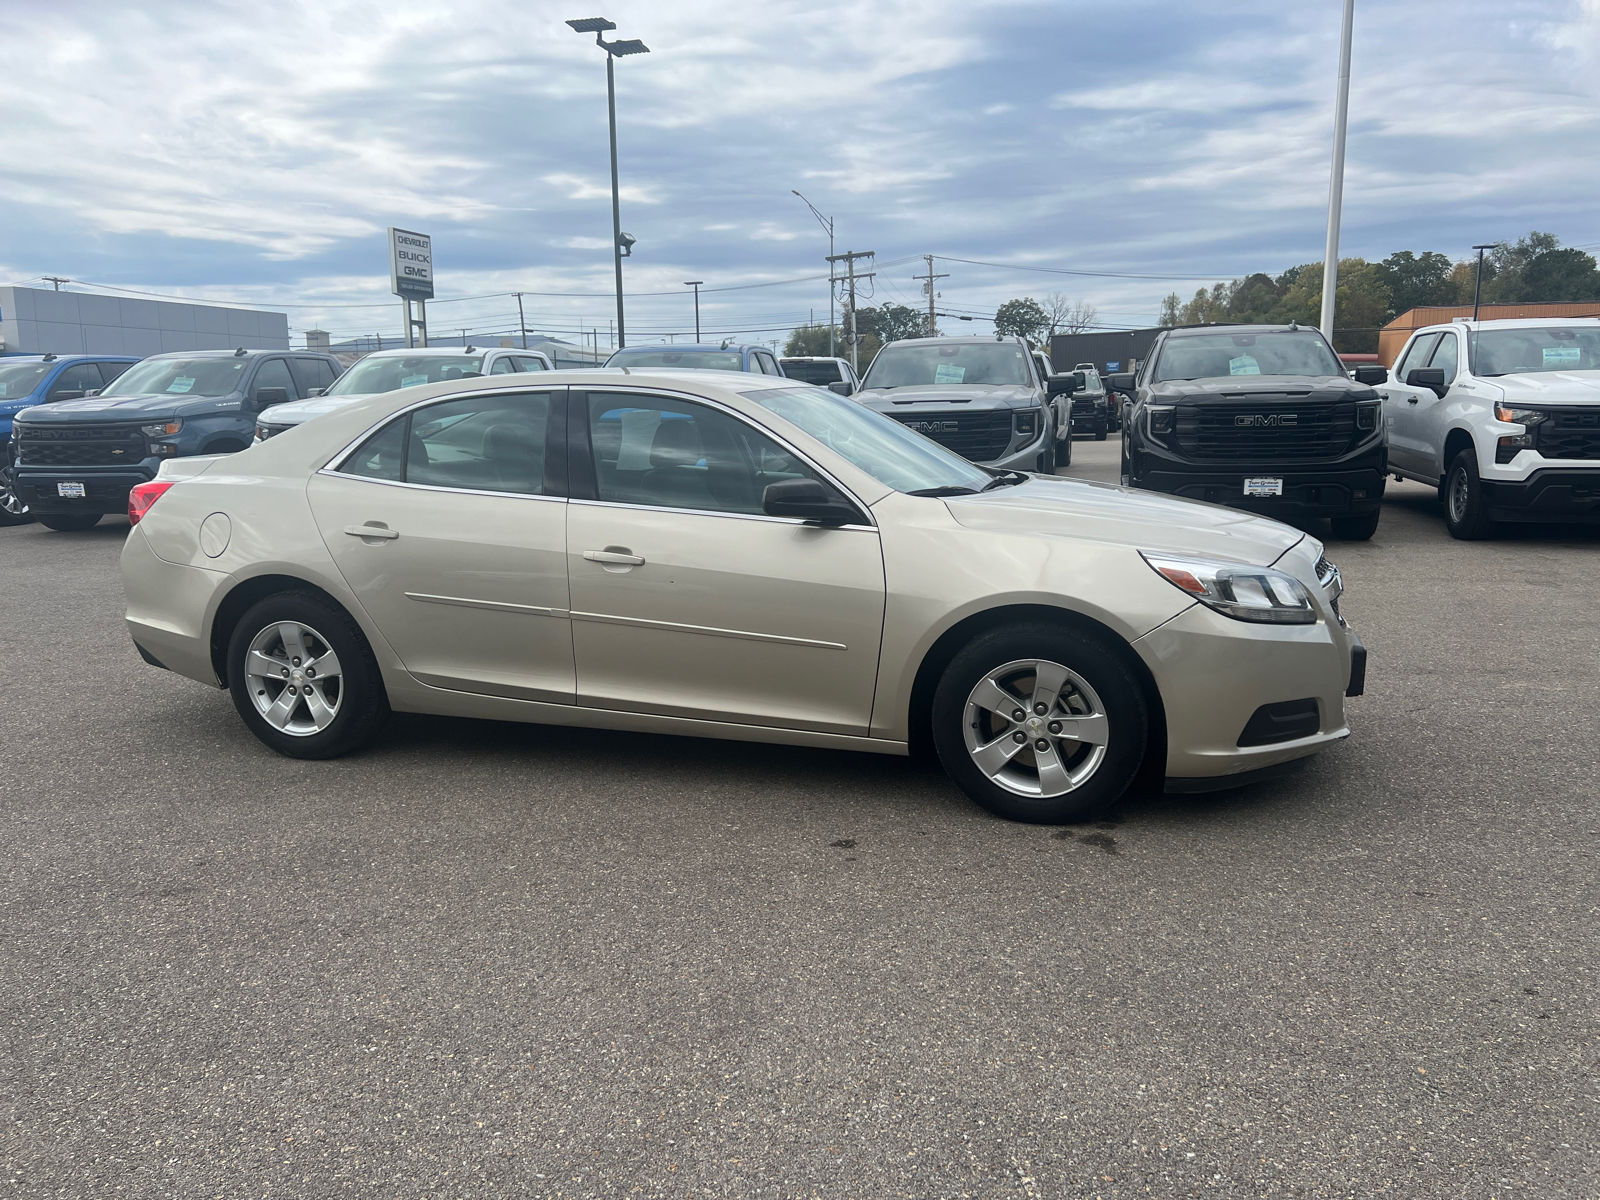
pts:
[1503, 417]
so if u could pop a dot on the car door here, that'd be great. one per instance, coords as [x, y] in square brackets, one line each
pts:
[1427, 416]
[74, 382]
[448, 525]
[1400, 408]
[687, 600]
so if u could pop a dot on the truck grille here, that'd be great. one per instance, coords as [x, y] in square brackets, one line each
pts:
[80, 446]
[1265, 430]
[1570, 433]
[978, 436]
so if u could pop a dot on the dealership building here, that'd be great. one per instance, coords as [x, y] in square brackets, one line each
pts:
[40, 321]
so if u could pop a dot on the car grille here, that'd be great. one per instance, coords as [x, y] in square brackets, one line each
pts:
[80, 446]
[1265, 430]
[1084, 406]
[1570, 433]
[978, 436]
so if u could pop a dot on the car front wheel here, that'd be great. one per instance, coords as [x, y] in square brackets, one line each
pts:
[12, 510]
[1040, 723]
[1466, 508]
[304, 679]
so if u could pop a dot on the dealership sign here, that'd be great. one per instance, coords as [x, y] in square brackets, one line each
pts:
[410, 264]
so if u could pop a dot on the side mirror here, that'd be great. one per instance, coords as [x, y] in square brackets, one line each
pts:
[1431, 378]
[843, 387]
[808, 500]
[1371, 375]
[1062, 385]
[314, 392]
[271, 395]
[1120, 381]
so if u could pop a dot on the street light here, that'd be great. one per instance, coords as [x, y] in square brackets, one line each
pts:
[621, 243]
[695, 284]
[826, 223]
[1477, 288]
[1341, 116]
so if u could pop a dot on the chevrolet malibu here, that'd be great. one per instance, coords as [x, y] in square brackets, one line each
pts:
[733, 556]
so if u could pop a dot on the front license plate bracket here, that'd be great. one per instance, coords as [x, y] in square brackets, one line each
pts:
[71, 491]
[1261, 485]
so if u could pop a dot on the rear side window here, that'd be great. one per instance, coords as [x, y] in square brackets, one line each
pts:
[823, 373]
[491, 443]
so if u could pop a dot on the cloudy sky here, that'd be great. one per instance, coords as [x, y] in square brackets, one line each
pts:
[257, 151]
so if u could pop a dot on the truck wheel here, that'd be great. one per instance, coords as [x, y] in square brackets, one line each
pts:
[1100, 431]
[69, 522]
[303, 678]
[1466, 508]
[1356, 529]
[1040, 723]
[1064, 452]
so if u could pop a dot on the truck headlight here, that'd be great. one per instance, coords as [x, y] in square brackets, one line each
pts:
[164, 429]
[1159, 418]
[1367, 415]
[1027, 423]
[1235, 590]
[1519, 416]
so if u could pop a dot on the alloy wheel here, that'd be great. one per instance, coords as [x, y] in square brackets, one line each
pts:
[294, 678]
[1036, 728]
[10, 502]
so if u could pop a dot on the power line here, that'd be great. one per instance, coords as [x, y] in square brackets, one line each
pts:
[1089, 274]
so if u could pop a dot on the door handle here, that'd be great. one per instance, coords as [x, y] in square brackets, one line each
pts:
[1411, 399]
[381, 532]
[615, 558]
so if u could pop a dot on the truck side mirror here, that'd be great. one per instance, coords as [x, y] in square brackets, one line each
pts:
[1371, 375]
[1060, 385]
[843, 387]
[271, 395]
[1120, 381]
[1431, 378]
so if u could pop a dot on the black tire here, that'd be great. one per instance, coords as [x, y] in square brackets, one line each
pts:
[1100, 431]
[362, 702]
[1112, 689]
[1064, 452]
[1466, 508]
[1356, 528]
[69, 522]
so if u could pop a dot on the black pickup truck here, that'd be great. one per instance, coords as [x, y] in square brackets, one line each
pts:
[1258, 417]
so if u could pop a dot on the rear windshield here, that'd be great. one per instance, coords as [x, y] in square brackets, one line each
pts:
[1002, 364]
[1219, 355]
[180, 377]
[813, 372]
[1536, 351]
[19, 379]
[371, 376]
[693, 360]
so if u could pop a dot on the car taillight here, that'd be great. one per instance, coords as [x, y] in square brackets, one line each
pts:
[143, 496]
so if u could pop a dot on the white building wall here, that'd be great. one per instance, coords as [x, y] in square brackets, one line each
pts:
[38, 321]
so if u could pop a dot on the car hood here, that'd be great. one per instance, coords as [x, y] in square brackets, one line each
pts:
[296, 412]
[1550, 387]
[1233, 388]
[1102, 512]
[126, 408]
[966, 397]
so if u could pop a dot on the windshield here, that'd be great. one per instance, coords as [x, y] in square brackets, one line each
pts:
[373, 375]
[1219, 355]
[694, 360]
[1519, 351]
[813, 372]
[998, 364]
[180, 377]
[879, 445]
[18, 379]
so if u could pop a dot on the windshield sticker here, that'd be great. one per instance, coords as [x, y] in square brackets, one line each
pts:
[949, 373]
[181, 384]
[3, 387]
[1562, 356]
[1243, 365]
[413, 380]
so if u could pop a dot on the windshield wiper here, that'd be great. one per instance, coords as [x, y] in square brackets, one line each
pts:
[1009, 479]
[949, 489]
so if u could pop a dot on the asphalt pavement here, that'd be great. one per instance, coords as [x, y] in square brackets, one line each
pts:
[488, 960]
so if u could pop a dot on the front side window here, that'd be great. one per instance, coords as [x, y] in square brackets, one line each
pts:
[1416, 356]
[1447, 356]
[999, 364]
[181, 377]
[78, 378]
[530, 364]
[503, 366]
[670, 453]
[274, 373]
[1534, 351]
[1220, 355]
[491, 443]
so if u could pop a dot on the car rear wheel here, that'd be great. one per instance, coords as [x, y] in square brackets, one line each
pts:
[1358, 528]
[1100, 431]
[304, 679]
[1466, 508]
[69, 522]
[1040, 723]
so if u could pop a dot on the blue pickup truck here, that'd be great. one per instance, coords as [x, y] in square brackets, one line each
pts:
[77, 460]
[27, 380]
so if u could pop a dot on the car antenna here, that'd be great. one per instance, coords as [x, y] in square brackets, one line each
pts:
[239, 353]
[725, 342]
[49, 358]
[1294, 326]
[469, 349]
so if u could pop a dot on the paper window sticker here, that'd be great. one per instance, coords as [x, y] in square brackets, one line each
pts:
[1562, 356]
[180, 384]
[413, 380]
[638, 436]
[1243, 365]
[3, 387]
[949, 373]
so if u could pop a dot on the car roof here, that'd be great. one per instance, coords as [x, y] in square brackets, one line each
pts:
[1192, 330]
[440, 351]
[690, 347]
[241, 352]
[1515, 323]
[811, 358]
[1006, 339]
[10, 358]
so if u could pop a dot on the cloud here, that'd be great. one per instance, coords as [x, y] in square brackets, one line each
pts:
[575, 187]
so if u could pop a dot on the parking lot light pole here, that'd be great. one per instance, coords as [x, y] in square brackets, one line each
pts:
[826, 223]
[1341, 113]
[621, 243]
[1477, 287]
[695, 284]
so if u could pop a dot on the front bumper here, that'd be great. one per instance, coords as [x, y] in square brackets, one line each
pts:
[1550, 494]
[105, 491]
[1308, 491]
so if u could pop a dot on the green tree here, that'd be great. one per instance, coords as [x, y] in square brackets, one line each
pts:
[811, 341]
[1360, 305]
[1022, 318]
[1207, 306]
[1169, 310]
[1416, 280]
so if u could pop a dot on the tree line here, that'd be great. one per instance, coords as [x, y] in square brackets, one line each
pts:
[878, 325]
[1371, 294]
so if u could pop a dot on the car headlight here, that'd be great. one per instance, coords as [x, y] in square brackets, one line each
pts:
[1027, 422]
[1519, 416]
[1159, 418]
[164, 429]
[1235, 590]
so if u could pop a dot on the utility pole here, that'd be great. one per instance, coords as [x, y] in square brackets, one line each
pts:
[1477, 288]
[695, 284]
[927, 286]
[827, 224]
[55, 279]
[849, 259]
[522, 322]
[1341, 114]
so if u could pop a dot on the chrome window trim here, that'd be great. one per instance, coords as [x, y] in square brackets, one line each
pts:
[713, 512]
[431, 487]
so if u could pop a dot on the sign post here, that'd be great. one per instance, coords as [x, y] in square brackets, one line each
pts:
[411, 278]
